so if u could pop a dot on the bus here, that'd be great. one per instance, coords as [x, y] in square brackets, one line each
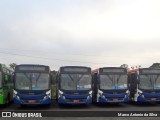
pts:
[144, 85]
[110, 85]
[6, 84]
[74, 85]
[32, 85]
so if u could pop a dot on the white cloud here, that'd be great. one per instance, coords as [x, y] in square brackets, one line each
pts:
[113, 31]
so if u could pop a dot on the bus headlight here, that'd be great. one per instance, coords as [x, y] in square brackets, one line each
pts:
[90, 94]
[103, 96]
[45, 97]
[88, 97]
[60, 93]
[48, 94]
[17, 97]
[139, 93]
[100, 92]
[14, 93]
[127, 93]
[63, 97]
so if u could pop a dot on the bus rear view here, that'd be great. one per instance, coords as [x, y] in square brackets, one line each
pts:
[110, 85]
[32, 85]
[74, 85]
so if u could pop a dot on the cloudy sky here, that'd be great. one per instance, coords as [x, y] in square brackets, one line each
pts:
[95, 33]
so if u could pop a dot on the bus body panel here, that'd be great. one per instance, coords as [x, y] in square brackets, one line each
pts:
[37, 97]
[70, 96]
[113, 98]
[32, 99]
[71, 99]
[108, 96]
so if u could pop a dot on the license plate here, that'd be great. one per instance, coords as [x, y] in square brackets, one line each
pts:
[115, 99]
[31, 101]
[76, 100]
[153, 98]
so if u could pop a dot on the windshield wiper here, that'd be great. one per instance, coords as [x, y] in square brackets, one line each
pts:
[38, 77]
[71, 77]
[80, 78]
[29, 78]
[118, 78]
[150, 80]
[26, 76]
[111, 79]
[156, 80]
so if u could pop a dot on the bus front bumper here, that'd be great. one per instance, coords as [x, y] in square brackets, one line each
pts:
[31, 102]
[64, 101]
[148, 99]
[112, 100]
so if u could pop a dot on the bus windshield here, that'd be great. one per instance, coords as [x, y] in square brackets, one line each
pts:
[108, 82]
[75, 82]
[149, 82]
[32, 81]
[0, 79]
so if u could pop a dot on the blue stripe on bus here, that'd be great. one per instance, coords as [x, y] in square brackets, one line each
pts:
[114, 95]
[75, 96]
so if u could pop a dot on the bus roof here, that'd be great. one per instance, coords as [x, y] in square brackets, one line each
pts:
[137, 70]
[97, 70]
[32, 65]
[74, 67]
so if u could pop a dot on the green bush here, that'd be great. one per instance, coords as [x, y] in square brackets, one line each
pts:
[53, 91]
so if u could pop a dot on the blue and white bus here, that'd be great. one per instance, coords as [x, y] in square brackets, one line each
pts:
[74, 85]
[110, 85]
[144, 85]
[32, 84]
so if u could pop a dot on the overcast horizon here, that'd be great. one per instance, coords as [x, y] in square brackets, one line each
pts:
[94, 33]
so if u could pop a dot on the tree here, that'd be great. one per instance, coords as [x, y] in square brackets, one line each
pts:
[53, 77]
[155, 65]
[12, 66]
[53, 83]
[124, 66]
